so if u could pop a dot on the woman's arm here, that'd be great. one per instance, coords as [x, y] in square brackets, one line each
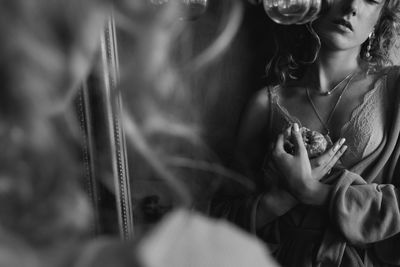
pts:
[274, 204]
[365, 213]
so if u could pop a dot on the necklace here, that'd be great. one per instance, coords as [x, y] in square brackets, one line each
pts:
[326, 123]
[328, 93]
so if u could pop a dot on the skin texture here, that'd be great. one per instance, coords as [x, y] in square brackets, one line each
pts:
[338, 56]
[300, 177]
[363, 16]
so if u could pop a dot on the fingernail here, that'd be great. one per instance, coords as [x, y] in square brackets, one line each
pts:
[296, 127]
[343, 149]
[341, 142]
[336, 147]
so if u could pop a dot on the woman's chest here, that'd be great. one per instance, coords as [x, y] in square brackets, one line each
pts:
[359, 115]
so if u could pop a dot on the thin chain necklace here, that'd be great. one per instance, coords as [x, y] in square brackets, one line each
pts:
[326, 123]
[328, 93]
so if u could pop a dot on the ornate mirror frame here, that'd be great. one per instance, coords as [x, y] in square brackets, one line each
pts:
[104, 148]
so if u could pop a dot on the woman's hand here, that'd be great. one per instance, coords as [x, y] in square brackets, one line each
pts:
[296, 168]
[323, 164]
[297, 171]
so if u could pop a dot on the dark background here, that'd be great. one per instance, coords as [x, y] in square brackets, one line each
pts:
[235, 76]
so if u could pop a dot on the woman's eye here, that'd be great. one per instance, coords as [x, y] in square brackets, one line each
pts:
[377, 2]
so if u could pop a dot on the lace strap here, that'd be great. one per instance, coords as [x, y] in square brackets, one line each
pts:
[270, 110]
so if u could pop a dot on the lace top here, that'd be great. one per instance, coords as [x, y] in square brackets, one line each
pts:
[363, 132]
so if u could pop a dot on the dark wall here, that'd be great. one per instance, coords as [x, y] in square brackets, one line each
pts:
[234, 77]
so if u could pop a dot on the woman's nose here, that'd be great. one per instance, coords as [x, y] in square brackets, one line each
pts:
[350, 7]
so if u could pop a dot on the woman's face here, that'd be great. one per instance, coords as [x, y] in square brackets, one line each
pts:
[348, 23]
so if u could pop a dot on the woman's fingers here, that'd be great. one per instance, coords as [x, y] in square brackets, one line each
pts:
[335, 158]
[279, 145]
[288, 131]
[279, 153]
[338, 145]
[324, 163]
[300, 149]
[326, 157]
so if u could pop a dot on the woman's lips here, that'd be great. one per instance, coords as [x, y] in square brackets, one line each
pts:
[343, 25]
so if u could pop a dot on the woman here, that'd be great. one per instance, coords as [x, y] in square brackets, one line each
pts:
[341, 208]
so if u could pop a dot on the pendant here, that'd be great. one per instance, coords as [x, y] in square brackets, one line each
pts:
[326, 93]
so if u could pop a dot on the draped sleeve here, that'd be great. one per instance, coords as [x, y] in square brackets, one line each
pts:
[365, 213]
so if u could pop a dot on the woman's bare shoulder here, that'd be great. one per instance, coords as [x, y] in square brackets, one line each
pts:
[261, 97]
[259, 104]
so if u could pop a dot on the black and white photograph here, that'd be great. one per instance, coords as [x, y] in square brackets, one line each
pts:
[200, 133]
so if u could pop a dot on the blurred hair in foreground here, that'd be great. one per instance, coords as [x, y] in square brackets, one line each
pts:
[47, 49]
